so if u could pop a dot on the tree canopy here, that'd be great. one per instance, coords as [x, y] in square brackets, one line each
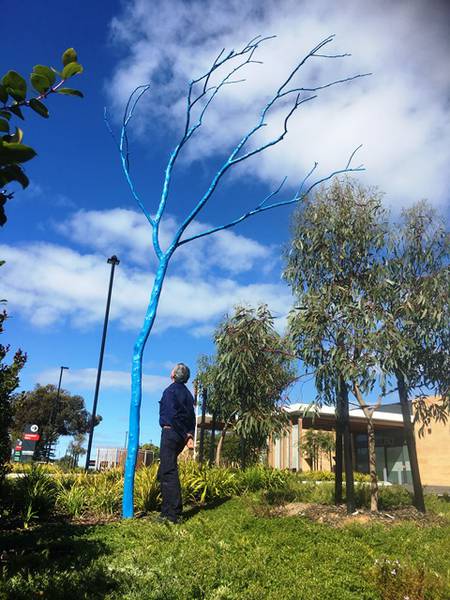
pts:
[55, 417]
[249, 376]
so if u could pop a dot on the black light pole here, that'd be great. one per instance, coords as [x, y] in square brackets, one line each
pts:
[113, 261]
[54, 412]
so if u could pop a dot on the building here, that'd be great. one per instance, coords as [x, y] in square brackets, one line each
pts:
[433, 448]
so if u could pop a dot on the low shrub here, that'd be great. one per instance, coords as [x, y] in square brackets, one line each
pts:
[280, 496]
[316, 476]
[73, 500]
[260, 477]
[147, 495]
[104, 492]
[329, 476]
[203, 484]
[393, 496]
[397, 580]
[33, 495]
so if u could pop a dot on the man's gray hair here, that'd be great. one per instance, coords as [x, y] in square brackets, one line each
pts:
[181, 373]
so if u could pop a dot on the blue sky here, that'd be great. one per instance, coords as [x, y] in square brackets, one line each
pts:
[78, 209]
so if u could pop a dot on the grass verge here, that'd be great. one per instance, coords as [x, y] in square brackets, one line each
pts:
[225, 553]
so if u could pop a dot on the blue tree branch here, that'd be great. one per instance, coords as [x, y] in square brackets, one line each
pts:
[234, 159]
[262, 206]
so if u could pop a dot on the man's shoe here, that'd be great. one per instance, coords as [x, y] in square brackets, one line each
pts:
[166, 520]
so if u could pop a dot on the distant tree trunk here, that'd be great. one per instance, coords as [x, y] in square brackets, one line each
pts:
[201, 449]
[338, 469]
[213, 440]
[419, 501]
[368, 413]
[372, 465]
[242, 450]
[220, 446]
[348, 462]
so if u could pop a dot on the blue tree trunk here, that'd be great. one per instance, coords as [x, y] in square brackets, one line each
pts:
[136, 390]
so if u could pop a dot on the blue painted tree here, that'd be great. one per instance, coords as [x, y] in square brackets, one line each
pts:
[200, 94]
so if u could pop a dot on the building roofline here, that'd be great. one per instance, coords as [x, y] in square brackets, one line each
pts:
[308, 410]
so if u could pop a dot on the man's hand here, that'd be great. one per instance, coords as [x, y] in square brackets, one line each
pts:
[190, 443]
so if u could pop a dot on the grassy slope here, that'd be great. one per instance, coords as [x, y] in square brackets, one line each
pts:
[220, 554]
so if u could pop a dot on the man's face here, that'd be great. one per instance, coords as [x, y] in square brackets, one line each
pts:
[172, 374]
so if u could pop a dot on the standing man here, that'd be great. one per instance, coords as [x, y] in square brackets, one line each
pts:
[177, 421]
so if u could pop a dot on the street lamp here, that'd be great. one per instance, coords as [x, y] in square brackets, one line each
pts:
[113, 261]
[54, 412]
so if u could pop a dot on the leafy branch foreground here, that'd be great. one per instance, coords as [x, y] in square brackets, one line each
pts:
[226, 553]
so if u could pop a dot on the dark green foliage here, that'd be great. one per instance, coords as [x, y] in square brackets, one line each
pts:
[394, 496]
[9, 380]
[64, 416]
[13, 97]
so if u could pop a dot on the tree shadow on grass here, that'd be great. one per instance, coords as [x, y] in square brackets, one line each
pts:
[196, 508]
[54, 561]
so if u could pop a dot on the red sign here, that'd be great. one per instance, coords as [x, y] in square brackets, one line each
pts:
[33, 437]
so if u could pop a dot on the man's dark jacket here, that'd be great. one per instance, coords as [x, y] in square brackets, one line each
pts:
[176, 409]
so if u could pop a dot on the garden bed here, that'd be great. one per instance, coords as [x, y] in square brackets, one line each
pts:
[337, 516]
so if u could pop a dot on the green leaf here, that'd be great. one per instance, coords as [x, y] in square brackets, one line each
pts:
[71, 69]
[70, 92]
[5, 114]
[39, 107]
[15, 85]
[3, 94]
[13, 173]
[16, 137]
[45, 72]
[16, 111]
[15, 153]
[40, 83]
[4, 125]
[69, 56]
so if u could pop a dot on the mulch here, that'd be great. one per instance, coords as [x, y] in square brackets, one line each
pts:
[337, 516]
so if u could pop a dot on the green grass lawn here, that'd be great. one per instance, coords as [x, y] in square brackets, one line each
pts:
[221, 553]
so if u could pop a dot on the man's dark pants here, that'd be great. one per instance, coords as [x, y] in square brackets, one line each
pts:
[172, 443]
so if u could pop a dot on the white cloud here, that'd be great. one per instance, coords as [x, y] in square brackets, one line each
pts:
[401, 114]
[51, 284]
[127, 233]
[85, 379]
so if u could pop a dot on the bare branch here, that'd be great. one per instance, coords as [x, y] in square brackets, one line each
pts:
[124, 151]
[234, 159]
[261, 207]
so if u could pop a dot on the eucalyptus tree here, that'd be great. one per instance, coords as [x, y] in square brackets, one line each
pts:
[201, 92]
[415, 315]
[334, 265]
[45, 81]
[252, 373]
[247, 378]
